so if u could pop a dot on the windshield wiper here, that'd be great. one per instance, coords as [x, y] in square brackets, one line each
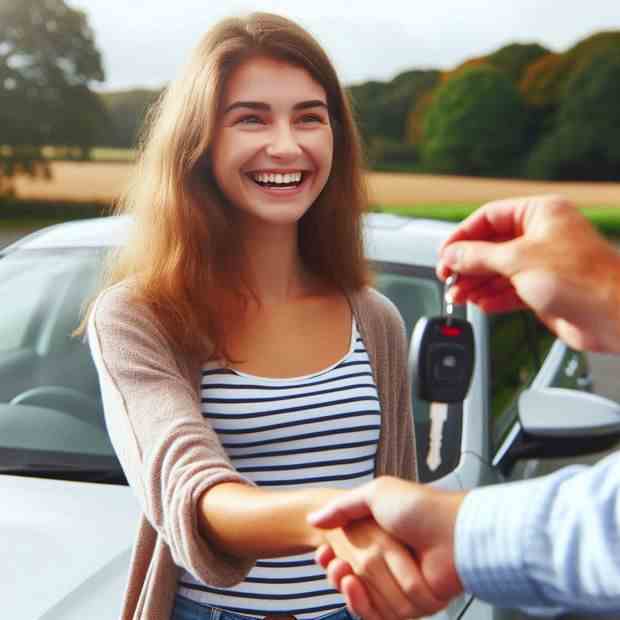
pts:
[75, 473]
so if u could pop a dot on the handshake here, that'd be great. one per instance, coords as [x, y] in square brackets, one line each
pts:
[409, 571]
[405, 550]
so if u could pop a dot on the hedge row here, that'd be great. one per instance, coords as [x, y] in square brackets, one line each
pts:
[15, 210]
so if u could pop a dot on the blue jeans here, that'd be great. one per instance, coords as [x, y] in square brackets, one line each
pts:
[185, 609]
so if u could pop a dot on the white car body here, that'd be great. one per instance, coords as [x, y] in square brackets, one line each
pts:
[66, 545]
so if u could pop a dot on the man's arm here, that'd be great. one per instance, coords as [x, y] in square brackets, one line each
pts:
[550, 543]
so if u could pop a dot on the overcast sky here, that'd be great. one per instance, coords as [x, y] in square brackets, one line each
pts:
[144, 42]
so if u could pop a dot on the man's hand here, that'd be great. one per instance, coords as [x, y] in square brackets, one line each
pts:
[542, 253]
[420, 517]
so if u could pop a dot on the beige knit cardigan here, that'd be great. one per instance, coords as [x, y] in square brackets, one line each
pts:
[171, 456]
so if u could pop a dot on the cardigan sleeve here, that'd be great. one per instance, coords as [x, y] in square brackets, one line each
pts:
[401, 377]
[385, 335]
[168, 451]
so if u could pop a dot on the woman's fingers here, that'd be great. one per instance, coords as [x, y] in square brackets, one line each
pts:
[358, 599]
[386, 593]
[370, 601]
[336, 570]
[324, 555]
[410, 580]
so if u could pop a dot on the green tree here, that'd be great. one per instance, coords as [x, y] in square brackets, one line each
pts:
[585, 141]
[514, 59]
[475, 124]
[126, 111]
[363, 97]
[544, 80]
[48, 58]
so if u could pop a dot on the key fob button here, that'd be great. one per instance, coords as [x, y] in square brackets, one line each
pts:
[447, 362]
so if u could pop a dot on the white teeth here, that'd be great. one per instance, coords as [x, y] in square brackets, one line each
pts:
[270, 177]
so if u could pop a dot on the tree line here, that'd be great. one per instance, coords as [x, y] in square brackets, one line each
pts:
[521, 111]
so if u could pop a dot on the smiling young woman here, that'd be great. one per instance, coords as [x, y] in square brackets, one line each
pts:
[248, 371]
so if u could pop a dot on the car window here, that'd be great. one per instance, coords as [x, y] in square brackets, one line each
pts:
[50, 405]
[27, 297]
[416, 292]
[518, 345]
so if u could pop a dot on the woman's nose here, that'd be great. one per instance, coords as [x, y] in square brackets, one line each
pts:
[283, 142]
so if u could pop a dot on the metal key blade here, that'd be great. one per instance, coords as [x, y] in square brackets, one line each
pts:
[438, 415]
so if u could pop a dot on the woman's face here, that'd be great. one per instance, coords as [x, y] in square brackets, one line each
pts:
[273, 146]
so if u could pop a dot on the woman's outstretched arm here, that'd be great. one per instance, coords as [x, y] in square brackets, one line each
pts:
[250, 522]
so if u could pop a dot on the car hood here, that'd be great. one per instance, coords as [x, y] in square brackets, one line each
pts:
[65, 548]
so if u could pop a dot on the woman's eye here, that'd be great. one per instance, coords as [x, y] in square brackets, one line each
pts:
[250, 120]
[311, 118]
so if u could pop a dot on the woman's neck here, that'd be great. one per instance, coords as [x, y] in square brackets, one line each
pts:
[273, 265]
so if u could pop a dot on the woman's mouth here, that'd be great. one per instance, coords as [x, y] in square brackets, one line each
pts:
[278, 180]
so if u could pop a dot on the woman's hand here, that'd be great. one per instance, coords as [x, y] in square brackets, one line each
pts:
[389, 572]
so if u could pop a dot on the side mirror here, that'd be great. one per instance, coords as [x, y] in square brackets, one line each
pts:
[562, 423]
[560, 412]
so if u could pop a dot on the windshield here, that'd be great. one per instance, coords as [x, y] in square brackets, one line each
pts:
[50, 406]
[51, 415]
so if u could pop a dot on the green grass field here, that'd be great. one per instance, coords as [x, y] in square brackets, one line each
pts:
[606, 219]
[98, 154]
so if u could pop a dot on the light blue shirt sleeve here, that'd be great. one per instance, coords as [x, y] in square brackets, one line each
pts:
[550, 543]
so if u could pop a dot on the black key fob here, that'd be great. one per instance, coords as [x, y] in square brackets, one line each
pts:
[443, 357]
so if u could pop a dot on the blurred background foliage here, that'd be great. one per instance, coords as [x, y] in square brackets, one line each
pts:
[48, 60]
[522, 111]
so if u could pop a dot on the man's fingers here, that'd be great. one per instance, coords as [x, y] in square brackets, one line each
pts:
[508, 301]
[468, 286]
[494, 294]
[339, 512]
[478, 258]
[495, 220]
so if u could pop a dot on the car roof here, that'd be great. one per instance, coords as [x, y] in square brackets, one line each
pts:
[387, 237]
[95, 232]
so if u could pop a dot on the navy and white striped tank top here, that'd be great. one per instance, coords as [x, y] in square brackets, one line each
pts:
[317, 430]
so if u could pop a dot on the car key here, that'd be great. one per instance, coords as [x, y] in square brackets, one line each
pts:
[443, 354]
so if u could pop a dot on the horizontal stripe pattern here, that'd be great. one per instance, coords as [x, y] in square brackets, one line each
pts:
[316, 430]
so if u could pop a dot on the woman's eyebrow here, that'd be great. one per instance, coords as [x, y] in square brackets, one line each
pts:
[259, 105]
[313, 103]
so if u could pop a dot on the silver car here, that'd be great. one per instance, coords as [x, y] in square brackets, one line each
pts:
[68, 518]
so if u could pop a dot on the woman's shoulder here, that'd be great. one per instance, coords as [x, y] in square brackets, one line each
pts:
[119, 305]
[114, 298]
[371, 303]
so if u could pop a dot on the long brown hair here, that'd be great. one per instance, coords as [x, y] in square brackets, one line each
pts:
[181, 255]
